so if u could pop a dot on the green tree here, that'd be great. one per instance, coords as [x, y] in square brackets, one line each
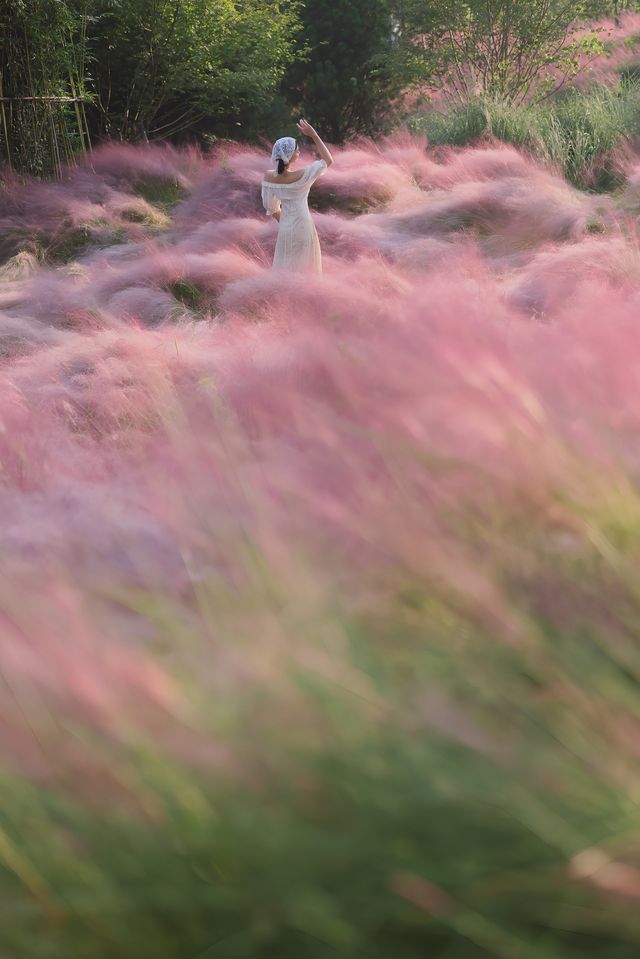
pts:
[165, 66]
[505, 49]
[351, 76]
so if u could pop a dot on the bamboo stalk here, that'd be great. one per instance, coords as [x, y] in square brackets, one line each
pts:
[5, 127]
[55, 146]
[77, 112]
[86, 125]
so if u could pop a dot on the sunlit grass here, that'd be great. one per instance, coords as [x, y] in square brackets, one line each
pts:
[578, 131]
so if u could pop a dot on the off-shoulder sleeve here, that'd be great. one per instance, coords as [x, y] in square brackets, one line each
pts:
[270, 199]
[314, 170]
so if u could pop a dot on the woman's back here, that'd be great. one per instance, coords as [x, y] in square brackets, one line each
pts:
[290, 197]
[297, 246]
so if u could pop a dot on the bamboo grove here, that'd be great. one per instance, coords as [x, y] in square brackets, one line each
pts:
[43, 96]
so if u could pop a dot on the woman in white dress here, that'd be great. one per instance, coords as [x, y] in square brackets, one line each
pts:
[285, 193]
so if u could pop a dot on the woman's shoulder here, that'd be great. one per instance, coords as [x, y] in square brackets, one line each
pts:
[275, 179]
[318, 166]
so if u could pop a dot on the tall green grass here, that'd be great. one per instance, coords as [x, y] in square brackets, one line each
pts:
[582, 132]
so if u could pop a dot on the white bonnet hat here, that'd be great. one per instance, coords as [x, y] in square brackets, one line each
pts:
[283, 149]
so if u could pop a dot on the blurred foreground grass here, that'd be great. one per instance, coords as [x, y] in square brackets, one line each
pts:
[447, 767]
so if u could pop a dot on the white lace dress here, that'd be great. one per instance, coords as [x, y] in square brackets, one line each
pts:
[297, 247]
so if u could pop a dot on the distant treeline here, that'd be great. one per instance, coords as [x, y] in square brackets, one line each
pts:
[202, 69]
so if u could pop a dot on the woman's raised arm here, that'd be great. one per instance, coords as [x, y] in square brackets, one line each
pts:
[323, 150]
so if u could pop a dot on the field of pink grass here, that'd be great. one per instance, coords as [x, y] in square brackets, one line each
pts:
[410, 484]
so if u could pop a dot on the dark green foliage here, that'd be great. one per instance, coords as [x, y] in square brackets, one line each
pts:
[350, 78]
[151, 69]
[163, 68]
[243, 69]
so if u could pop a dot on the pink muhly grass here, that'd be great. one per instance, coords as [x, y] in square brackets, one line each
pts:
[118, 162]
[211, 480]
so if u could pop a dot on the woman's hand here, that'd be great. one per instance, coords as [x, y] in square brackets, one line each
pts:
[306, 129]
[321, 147]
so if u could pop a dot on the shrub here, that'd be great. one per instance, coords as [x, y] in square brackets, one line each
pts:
[582, 132]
